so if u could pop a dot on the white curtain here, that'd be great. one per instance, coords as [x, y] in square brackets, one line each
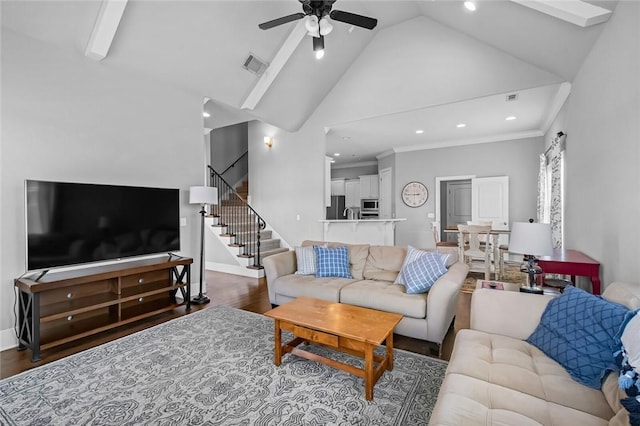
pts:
[551, 189]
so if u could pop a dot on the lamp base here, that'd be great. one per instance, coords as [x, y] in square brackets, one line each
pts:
[200, 299]
[532, 289]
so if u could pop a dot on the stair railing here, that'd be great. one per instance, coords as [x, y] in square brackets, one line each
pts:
[234, 163]
[242, 221]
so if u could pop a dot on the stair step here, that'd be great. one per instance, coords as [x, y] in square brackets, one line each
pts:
[268, 253]
[264, 234]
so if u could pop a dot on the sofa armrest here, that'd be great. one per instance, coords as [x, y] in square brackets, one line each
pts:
[508, 313]
[278, 265]
[442, 300]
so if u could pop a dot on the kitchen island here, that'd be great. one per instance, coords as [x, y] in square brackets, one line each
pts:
[363, 231]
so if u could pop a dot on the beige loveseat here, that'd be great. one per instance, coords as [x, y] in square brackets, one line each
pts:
[374, 270]
[494, 377]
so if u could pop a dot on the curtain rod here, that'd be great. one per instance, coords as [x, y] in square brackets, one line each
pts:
[558, 135]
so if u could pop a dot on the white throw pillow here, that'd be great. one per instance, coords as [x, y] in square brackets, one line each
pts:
[306, 259]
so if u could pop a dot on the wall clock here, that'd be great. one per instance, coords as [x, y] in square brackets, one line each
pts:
[415, 194]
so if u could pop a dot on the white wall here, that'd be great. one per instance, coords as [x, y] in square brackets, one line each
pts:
[517, 159]
[69, 118]
[603, 150]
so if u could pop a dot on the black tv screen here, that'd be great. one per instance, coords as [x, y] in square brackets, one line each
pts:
[73, 223]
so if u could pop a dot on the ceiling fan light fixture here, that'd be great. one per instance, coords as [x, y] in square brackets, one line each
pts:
[318, 46]
[325, 26]
[311, 24]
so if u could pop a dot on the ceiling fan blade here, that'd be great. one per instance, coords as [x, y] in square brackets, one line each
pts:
[280, 21]
[353, 19]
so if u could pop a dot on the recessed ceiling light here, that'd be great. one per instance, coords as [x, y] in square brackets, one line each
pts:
[470, 5]
[511, 117]
[337, 154]
[346, 138]
[461, 125]
[419, 131]
[206, 114]
[332, 161]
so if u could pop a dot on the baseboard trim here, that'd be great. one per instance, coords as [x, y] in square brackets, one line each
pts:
[8, 339]
[234, 269]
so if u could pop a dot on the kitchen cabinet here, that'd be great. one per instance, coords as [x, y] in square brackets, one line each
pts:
[338, 187]
[369, 186]
[352, 193]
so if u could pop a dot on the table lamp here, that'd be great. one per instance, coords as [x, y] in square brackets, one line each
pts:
[531, 239]
[203, 195]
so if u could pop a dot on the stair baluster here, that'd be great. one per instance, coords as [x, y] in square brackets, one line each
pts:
[243, 223]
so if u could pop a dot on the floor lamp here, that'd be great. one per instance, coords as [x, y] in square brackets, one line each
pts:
[531, 239]
[203, 195]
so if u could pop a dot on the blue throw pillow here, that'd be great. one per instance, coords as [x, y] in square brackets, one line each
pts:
[332, 262]
[581, 332]
[419, 275]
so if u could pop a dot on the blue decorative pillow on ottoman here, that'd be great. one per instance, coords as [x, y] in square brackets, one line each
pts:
[581, 332]
[332, 262]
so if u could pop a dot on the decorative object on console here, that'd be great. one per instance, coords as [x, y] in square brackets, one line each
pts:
[203, 195]
[415, 194]
[531, 239]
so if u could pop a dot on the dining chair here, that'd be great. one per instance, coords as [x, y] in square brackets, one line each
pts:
[472, 251]
[436, 237]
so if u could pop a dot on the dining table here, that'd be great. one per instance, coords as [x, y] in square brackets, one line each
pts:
[494, 234]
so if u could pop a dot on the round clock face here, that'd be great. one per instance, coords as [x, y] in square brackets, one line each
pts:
[414, 194]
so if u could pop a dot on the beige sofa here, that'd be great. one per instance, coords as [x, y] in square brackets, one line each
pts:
[374, 270]
[494, 377]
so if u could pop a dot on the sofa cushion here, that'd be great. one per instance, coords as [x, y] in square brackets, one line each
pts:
[514, 364]
[357, 255]
[467, 401]
[332, 262]
[419, 275]
[308, 285]
[581, 332]
[384, 296]
[384, 263]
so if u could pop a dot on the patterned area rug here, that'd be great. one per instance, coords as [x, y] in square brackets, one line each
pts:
[214, 367]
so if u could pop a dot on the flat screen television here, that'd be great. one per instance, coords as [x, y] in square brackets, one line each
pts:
[75, 223]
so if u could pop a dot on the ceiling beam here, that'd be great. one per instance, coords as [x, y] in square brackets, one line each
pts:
[104, 30]
[576, 12]
[279, 60]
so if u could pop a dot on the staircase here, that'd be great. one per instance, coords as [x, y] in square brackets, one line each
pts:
[240, 228]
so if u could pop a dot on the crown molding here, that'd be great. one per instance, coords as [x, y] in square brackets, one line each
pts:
[461, 142]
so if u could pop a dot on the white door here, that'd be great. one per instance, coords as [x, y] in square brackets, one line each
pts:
[385, 194]
[490, 201]
[458, 205]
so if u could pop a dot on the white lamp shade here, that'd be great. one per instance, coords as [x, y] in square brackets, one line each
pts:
[531, 239]
[203, 195]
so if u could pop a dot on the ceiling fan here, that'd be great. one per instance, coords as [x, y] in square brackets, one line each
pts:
[315, 13]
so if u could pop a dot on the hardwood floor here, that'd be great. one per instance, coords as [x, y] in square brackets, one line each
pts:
[224, 289]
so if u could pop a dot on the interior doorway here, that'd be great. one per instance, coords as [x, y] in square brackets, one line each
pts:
[453, 204]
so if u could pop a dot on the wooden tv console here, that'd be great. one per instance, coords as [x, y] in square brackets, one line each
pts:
[61, 307]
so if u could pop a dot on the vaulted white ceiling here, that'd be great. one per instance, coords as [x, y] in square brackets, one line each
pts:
[428, 64]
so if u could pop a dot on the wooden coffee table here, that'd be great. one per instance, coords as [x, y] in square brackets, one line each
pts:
[350, 329]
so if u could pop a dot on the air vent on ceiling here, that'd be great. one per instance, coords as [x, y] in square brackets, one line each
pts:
[512, 97]
[255, 64]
